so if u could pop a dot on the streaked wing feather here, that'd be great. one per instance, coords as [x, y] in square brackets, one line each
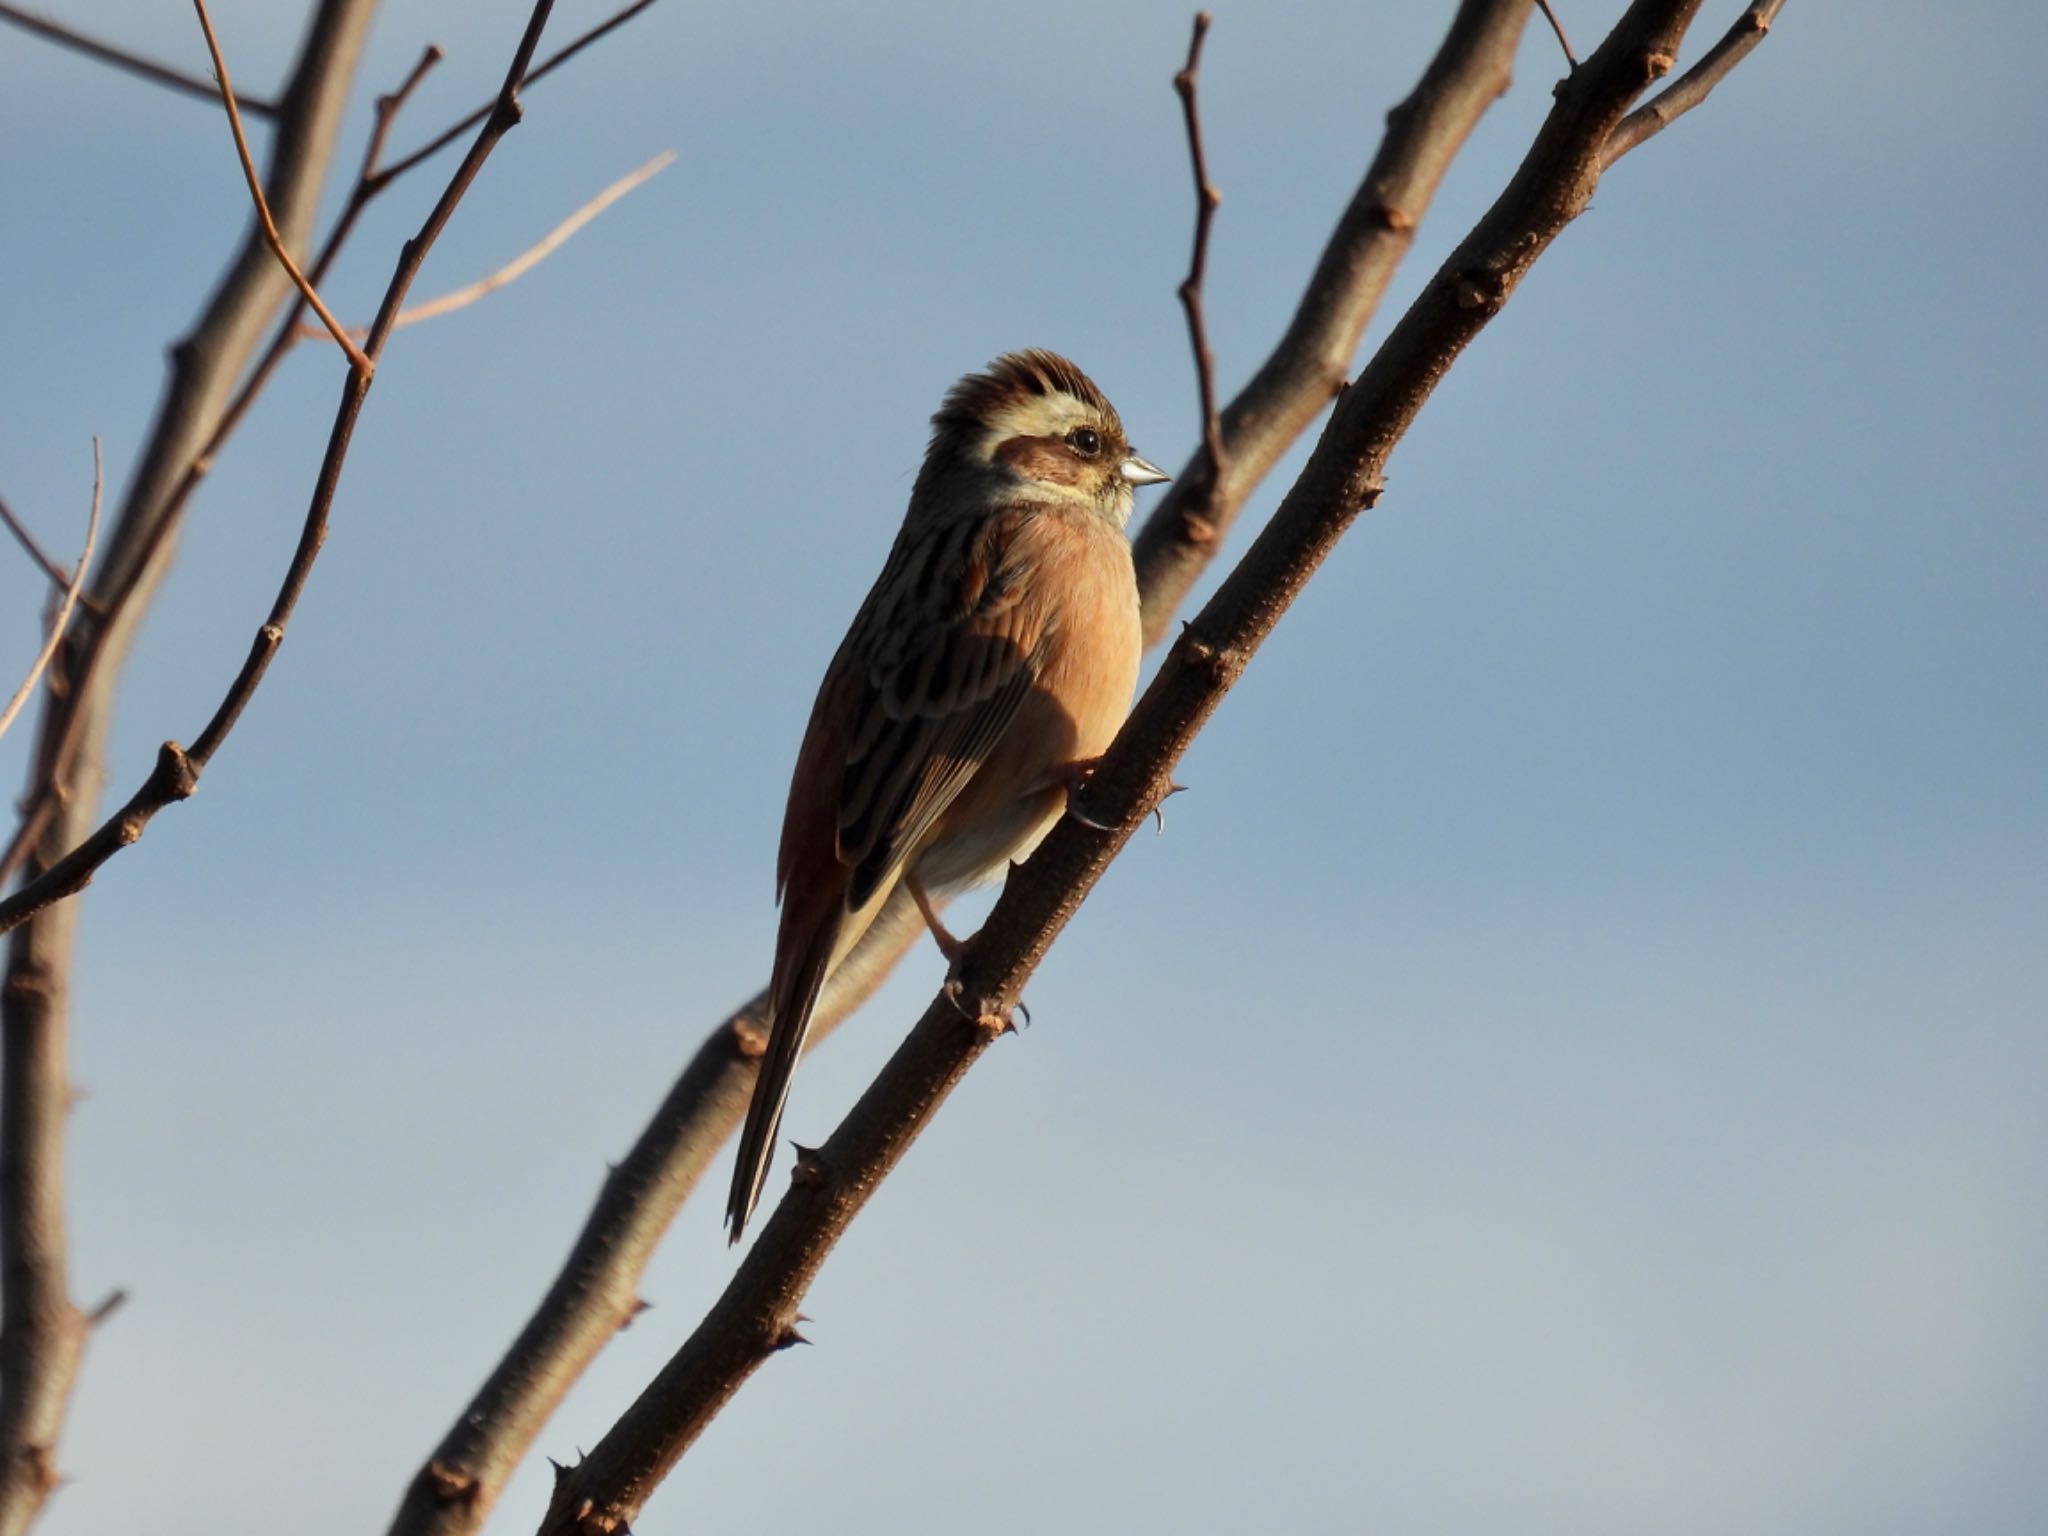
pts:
[953, 655]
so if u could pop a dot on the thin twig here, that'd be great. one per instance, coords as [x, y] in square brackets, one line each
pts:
[43, 1333]
[134, 63]
[1206, 200]
[523, 263]
[389, 104]
[1695, 85]
[177, 771]
[757, 1313]
[62, 620]
[541, 71]
[1306, 369]
[1571, 59]
[59, 577]
[356, 358]
[42, 795]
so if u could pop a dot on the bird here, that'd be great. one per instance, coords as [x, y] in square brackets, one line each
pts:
[987, 669]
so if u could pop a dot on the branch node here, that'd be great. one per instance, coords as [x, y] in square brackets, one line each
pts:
[175, 777]
[1481, 289]
[358, 361]
[749, 1034]
[451, 1485]
[808, 1172]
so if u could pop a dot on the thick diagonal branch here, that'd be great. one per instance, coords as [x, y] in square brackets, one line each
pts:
[593, 1293]
[757, 1313]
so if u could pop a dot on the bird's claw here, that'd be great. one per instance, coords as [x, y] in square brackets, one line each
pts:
[983, 1011]
[1159, 808]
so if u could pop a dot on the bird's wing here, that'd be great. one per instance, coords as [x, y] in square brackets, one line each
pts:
[932, 671]
[944, 653]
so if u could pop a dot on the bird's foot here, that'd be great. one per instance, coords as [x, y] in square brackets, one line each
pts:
[1073, 778]
[985, 1011]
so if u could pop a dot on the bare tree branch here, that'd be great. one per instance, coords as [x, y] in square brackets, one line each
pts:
[457, 1485]
[1471, 69]
[311, 295]
[62, 618]
[1206, 200]
[1696, 84]
[596, 1291]
[540, 71]
[40, 1334]
[177, 771]
[525, 261]
[57, 752]
[76, 729]
[134, 63]
[757, 1313]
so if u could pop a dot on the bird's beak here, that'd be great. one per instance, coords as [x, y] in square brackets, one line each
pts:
[1142, 471]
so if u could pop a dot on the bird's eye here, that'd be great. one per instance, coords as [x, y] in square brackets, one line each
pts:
[1085, 441]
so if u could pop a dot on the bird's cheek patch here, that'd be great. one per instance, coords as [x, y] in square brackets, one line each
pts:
[1045, 459]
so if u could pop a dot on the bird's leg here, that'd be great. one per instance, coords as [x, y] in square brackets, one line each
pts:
[949, 946]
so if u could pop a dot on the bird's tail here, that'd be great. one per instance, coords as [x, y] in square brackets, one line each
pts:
[800, 971]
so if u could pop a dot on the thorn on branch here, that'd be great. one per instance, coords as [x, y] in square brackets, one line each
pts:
[1159, 808]
[112, 1303]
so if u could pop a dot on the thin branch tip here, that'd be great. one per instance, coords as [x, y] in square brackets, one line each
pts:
[1207, 200]
[67, 604]
[358, 361]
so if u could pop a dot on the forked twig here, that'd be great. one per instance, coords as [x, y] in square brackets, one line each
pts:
[62, 618]
[177, 771]
[42, 796]
[1695, 85]
[356, 357]
[539, 72]
[1206, 200]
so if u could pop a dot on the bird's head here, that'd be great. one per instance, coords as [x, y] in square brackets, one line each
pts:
[1038, 424]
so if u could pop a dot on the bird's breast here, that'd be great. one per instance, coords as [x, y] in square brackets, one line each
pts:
[1086, 672]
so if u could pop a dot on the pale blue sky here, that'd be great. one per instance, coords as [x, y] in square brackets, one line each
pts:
[1574, 1062]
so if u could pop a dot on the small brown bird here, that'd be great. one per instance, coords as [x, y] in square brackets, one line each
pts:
[991, 663]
